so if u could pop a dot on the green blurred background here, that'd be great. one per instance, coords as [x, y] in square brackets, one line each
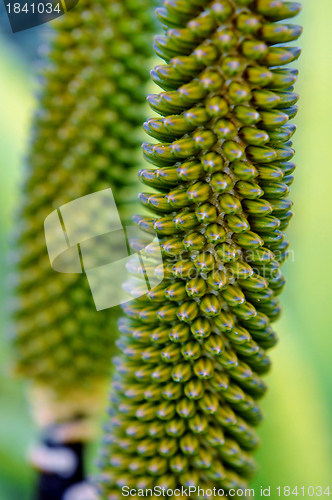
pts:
[297, 434]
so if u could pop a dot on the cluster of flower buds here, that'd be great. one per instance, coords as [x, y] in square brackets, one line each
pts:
[184, 400]
[86, 134]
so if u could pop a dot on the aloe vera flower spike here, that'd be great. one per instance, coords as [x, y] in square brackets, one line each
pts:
[185, 397]
[86, 137]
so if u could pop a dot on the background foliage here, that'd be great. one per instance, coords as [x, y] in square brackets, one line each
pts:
[297, 435]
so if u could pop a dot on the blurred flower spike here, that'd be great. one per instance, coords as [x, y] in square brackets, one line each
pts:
[86, 235]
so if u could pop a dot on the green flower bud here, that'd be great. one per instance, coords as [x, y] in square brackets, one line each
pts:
[254, 49]
[167, 313]
[198, 424]
[194, 389]
[209, 403]
[194, 241]
[237, 223]
[147, 448]
[232, 150]
[187, 312]
[274, 238]
[272, 119]
[265, 98]
[240, 270]
[189, 444]
[210, 305]
[257, 208]
[183, 221]
[226, 252]
[259, 297]
[203, 368]
[157, 466]
[225, 129]
[232, 66]
[177, 291]
[261, 154]
[270, 173]
[233, 295]
[257, 75]
[216, 107]
[157, 294]
[247, 23]
[178, 464]
[153, 393]
[217, 280]
[277, 56]
[182, 372]
[268, 223]
[165, 225]
[221, 10]
[215, 233]
[179, 333]
[149, 314]
[184, 269]
[170, 354]
[161, 373]
[167, 447]
[250, 190]
[214, 345]
[175, 427]
[229, 204]
[248, 240]
[243, 170]
[196, 287]
[225, 39]
[159, 335]
[200, 328]
[254, 136]
[191, 350]
[283, 78]
[280, 206]
[224, 321]
[221, 182]
[165, 411]
[190, 171]
[245, 311]
[204, 262]
[151, 354]
[199, 192]
[177, 198]
[172, 246]
[275, 189]
[186, 408]
[255, 282]
[206, 213]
